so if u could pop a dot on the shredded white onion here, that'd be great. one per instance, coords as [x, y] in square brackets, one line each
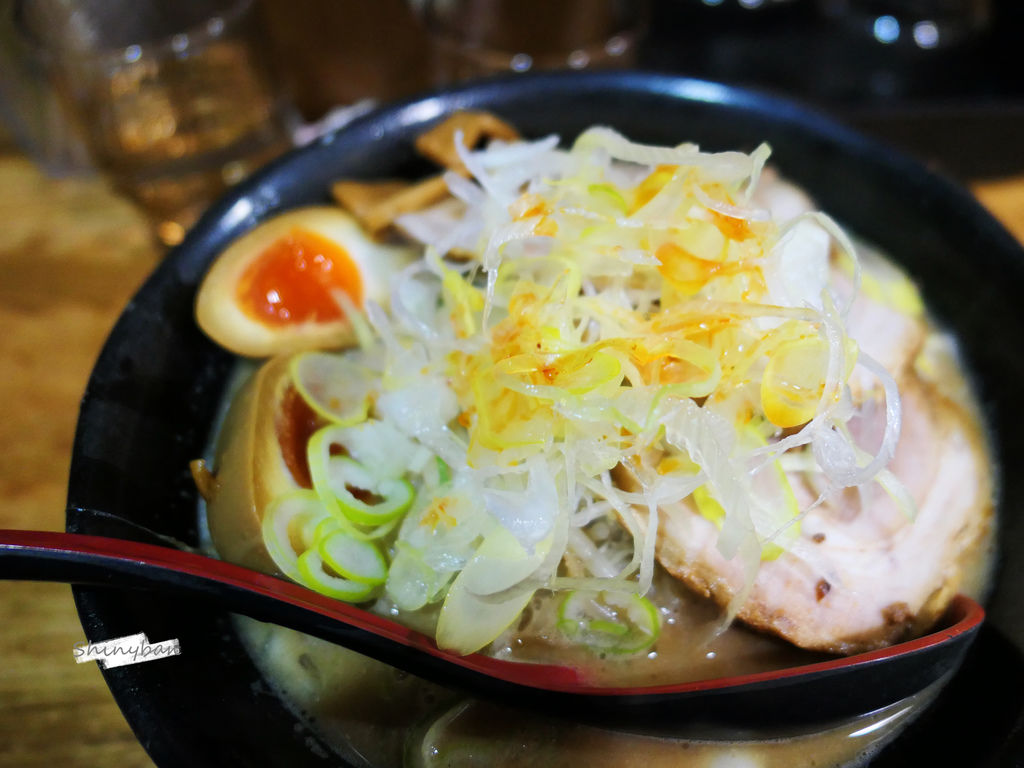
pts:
[619, 326]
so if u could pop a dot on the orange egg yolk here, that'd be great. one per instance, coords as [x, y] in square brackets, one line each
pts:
[295, 279]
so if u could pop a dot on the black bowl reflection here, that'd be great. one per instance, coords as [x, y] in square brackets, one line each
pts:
[156, 388]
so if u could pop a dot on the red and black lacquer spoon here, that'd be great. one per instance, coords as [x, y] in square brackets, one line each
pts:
[813, 692]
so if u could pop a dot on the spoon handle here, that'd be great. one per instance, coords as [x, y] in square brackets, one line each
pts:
[818, 691]
[102, 561]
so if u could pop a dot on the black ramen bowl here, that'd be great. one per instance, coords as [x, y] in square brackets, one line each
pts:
[158, 383]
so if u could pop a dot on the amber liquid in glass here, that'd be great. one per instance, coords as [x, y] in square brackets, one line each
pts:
[174, 131]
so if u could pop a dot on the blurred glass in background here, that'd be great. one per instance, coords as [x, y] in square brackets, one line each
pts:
[741, 5]
[29, 112]
[176, 99]
[173, 99]
[475, 38]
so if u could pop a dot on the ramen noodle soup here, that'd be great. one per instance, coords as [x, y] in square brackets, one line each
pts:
[638, 410]
[372, 714]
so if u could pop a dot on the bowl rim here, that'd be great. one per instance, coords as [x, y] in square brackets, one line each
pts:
[253, 200]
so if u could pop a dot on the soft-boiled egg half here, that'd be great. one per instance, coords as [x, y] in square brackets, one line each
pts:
[282, 287]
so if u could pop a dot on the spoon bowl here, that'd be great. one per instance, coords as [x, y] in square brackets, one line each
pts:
[810, 693]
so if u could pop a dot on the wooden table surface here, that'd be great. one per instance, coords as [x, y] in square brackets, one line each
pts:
[71, 255]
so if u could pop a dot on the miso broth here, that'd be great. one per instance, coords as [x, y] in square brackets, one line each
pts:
[387, 719]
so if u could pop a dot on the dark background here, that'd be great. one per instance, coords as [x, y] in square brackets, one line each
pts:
[961, 109]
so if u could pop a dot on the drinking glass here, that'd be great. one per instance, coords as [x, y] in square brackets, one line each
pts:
[172, 97]
[472, 38]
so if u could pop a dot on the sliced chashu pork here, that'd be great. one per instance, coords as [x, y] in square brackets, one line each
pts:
[861, 575]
